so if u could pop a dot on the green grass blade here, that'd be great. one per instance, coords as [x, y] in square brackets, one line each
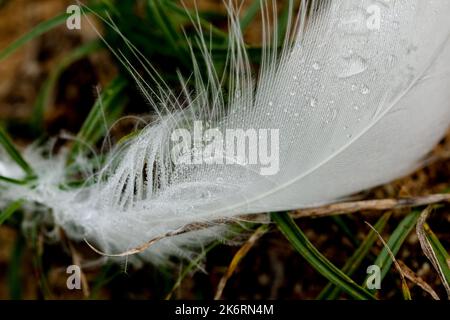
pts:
[107, 274]
[47, 88]
[250, 14]
[187, 16]
[160, 16]
[283, 23]
[190, 267]
[330, 292]
[37, 250]
[15, 270]
[395, 242]
[12, 151]
[34, 33]
[13, 181]
[342, 224]
[110, 105]
[10, 210]
[321, 264]
[441, 254]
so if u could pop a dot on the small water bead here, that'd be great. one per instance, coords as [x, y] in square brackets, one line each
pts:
[270, 103]
[354, 87]
[354, 22]
[391, 59]
[293, 93]
[316, 66]
[295, 78]
[219, 180]
[205, 195]
[356, 108]
[352, 67]
[313, 102]
[365, 90]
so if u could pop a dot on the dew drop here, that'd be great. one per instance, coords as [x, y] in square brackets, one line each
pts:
[365, 90]
[391, 59]
[352, 66]
[354, 22]
[313, 102]
[316, 66]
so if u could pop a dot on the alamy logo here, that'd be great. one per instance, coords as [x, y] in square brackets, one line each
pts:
[74, 280]
[73, 22]
[373, 281]
[234, 146]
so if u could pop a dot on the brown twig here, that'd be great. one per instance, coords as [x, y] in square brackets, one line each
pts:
[428, 248]
[405, 288]
[322, 211]
[371, 205]
[413, 277]
[242, 252]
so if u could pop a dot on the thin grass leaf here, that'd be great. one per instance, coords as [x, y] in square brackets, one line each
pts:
[413, 277]
[10, 210]
[110, 105]
[12, 151]
[240, 254]
[47, 89]
[37, 248]
[331, 292]
[342, 224]
[283, 23]
[107, 274]
[441, 254]
[13, 181]
[405, 289]
[395, 242]
[37, 31]
[250, 14]
[161, 18]
[34, 33]
[430, 251]
[182, 12]
[321, 264]
[15, 270]
[190, 267]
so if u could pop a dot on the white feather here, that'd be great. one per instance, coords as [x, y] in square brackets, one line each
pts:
[355, 108]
